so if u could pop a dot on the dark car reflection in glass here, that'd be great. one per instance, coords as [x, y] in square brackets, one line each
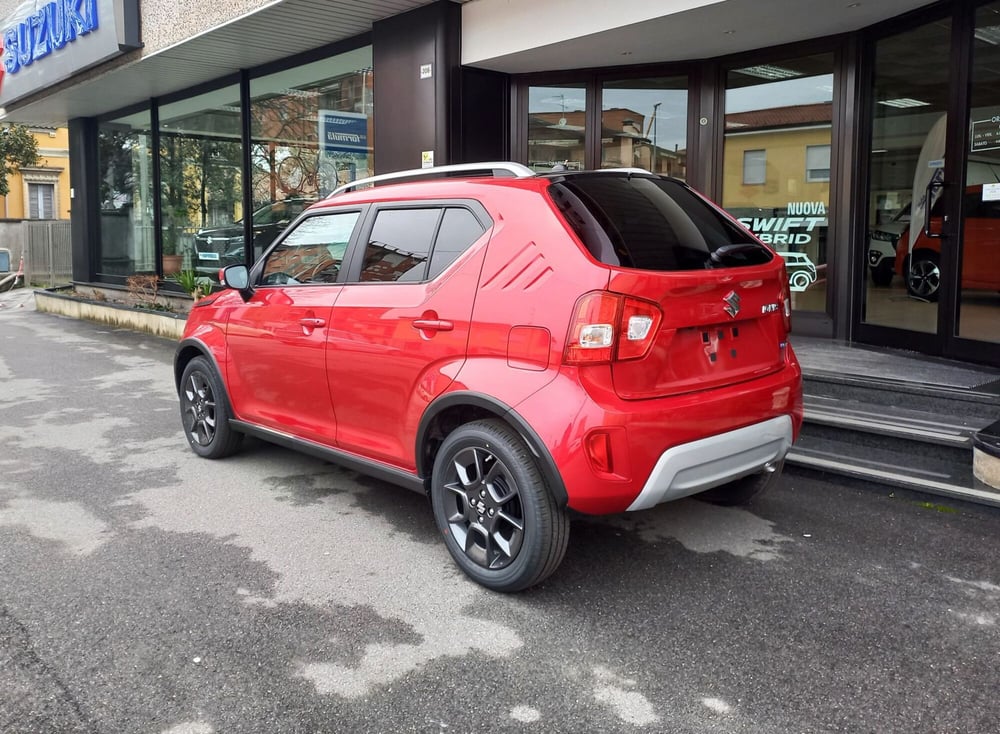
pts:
[217, 247]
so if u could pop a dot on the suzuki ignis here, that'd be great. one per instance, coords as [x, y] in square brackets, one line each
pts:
[515, 345]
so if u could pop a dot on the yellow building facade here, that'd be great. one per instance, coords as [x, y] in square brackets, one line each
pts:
[41, 191]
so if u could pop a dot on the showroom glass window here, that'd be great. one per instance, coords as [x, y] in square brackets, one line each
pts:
[125, 165]
[557, 126]
[644, 124]
[776, 177]
[200, 171]
[311, 131]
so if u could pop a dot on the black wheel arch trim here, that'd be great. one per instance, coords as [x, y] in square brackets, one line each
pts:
[202, 348]
[478, 400]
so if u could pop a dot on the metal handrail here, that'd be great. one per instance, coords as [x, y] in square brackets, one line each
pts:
[514, 170]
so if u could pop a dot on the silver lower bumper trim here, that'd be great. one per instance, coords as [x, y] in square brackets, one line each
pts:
[709, 462]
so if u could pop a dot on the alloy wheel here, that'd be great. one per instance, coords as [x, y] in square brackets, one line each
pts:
[924, 278]
[199, 409]
[483, 508]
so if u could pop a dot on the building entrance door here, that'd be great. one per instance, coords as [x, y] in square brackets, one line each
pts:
[932, 256]
[906, 173]
[978, 292]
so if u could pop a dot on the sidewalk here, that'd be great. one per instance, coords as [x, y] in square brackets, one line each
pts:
[18, 298]
[817, 355]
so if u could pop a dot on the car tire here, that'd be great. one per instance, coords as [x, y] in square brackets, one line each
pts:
[882, 273]
[742, 491]
[499, 519]
[205, 411]
[923, 276]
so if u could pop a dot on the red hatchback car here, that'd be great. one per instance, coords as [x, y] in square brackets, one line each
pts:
[516, 345]
[921, 269]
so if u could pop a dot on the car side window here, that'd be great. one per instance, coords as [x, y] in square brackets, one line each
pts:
[399, 245]
[459, 230]
[312, 252]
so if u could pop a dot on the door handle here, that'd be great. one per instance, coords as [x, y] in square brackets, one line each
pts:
[433, 325]
[312, 323]
[929, 198]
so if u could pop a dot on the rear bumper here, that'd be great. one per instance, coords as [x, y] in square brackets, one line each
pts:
[664, 448]
[709, 462]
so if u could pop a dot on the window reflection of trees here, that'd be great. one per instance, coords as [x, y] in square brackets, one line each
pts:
[286, 156]
[383, 262]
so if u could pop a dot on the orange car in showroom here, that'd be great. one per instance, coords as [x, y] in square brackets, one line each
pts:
[921, 270]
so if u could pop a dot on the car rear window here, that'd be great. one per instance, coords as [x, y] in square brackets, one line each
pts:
[650, 223]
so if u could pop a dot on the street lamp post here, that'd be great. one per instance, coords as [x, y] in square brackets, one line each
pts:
[652, 124]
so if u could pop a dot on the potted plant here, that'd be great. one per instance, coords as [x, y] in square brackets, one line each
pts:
[193, 284]
[173, 256]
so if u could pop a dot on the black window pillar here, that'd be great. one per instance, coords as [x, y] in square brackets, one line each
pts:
[85, 197]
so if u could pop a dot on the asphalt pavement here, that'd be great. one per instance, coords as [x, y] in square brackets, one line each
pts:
[143, 589]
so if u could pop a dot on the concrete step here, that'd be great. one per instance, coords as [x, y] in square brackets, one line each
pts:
[894, 432]
[892, 422]
[884, 393]
[912, 470]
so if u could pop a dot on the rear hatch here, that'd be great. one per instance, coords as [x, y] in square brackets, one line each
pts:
[721, 294]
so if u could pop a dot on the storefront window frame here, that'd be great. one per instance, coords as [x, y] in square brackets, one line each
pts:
[98, 252]
[605, 82]
[593, 81]
[706, 111]
[152, 105]
[961, 15]
[833, 320]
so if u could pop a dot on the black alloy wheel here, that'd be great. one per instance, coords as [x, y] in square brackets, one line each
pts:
[500, 522]
[923, 277]
[205, 412]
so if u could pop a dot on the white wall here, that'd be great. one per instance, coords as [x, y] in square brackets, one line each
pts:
[493, 28]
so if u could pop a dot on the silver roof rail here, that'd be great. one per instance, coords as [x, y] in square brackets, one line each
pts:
[628, 170]
[512, 170]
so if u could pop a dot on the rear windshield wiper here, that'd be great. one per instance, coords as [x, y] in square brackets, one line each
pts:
[737, 251]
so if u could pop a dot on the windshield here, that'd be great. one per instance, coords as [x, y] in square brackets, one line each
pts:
[651, 223]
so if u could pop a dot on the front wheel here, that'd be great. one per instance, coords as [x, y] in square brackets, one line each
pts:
[742, 491]
[923, 278]
[499, 519]
[205, 411]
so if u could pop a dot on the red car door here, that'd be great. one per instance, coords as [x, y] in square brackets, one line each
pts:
[277, 339]
[981, 243]
[401, 325]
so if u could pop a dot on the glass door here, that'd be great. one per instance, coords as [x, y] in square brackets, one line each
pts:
[906, 174]
[978, 316]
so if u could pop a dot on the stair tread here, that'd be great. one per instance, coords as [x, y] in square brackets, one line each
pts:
[984, 395]
[883, 458]
[909, 470]
[862, 416]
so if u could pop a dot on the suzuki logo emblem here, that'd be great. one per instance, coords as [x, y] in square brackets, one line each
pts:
[732, 301]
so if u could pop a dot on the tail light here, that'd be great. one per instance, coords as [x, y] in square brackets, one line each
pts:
[786, 301]
[609, 326]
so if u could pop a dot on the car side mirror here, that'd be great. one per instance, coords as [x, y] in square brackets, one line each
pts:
[236, 277]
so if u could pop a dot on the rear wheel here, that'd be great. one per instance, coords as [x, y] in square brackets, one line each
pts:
[743, 490]
[490, 501]
[205, 412]
[923, 277]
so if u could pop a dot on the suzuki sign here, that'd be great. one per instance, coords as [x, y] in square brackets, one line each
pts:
[45, 43]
